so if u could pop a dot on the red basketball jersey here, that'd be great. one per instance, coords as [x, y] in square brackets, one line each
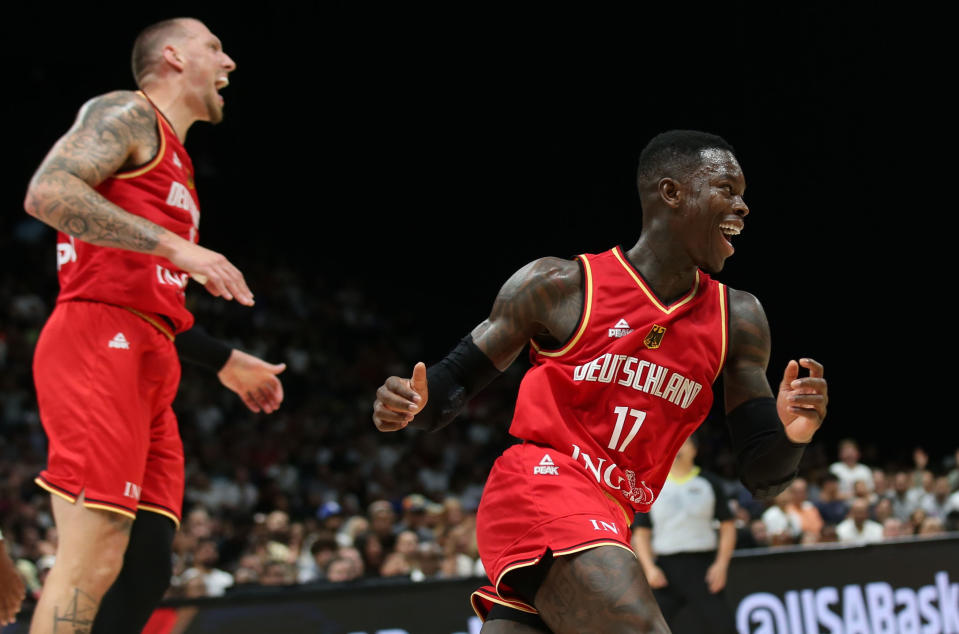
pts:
[163, 192]
[631, 384]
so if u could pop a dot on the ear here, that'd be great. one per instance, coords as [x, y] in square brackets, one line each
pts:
[172, 57]
[670, 191]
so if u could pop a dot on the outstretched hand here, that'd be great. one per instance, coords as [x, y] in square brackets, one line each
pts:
[254, 381]
[214, 271]
[398, 400]
[801, 402]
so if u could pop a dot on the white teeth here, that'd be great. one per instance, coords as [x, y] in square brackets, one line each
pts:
[729, 229]
[222, 82]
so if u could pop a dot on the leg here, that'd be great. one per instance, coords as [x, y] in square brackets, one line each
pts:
[144, 578]
[600, 589]
[505, 620]
[89, 556]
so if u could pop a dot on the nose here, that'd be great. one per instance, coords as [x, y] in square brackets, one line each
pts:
[740, 207]
[228, 63]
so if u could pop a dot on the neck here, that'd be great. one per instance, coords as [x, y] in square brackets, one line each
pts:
[680, 470]
[168, 100]
[669, 272]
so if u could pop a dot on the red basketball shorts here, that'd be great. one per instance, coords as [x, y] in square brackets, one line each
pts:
[537, 499]
[105, 380]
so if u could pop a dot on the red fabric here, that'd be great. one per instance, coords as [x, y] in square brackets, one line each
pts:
[105, 382]
[162, 192]
[632, 384]
[537, 499]
[161, 621]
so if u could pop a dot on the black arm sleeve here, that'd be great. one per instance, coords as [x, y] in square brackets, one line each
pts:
[199, 347]
[452, 382]
[768, 461]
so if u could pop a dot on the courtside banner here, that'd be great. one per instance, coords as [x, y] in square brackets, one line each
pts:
[908, 586]
[902, 587]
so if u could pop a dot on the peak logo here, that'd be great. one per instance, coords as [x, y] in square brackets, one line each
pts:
[621, 329]
[872, 608]
[546, 466]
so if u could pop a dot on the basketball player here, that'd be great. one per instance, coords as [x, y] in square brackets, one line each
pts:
[119, 188]
[625, 348]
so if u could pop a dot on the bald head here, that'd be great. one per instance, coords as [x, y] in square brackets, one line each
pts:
[148, 46]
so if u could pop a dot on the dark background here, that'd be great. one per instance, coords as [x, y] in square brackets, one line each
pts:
[427, 151]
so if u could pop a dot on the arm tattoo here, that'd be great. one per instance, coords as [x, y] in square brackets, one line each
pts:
[61, 194]
[76, 617]
[541, 300]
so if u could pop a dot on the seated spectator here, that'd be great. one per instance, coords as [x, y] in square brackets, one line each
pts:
[848, 469]
[857, 527]
[798, 505]
[782, 527]
[903, 502]
[278, 573]
[322, 550]
[881, 510]
[205, 559]
[936, 502]
[893, 527]
[930, 527]
[830, 504]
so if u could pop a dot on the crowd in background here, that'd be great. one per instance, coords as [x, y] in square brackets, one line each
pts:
[314, 494]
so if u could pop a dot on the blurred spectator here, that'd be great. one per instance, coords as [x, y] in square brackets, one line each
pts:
[782, 527]
[920, 467]
[371, 548]
[341, 569]
[205, 558]
[930, 527]
[881, 510]
[798, 505]
[278, 573]
[936, 502]
[903, 502]
[916, 518]
[857, 527]
[322, 549]
[427, 561]
[881, 485]
[893, 527]
[382, 518]
[352, 527]
[830, 504]
[951, 466]
[331, 516]
[849, 469]
[414, 517]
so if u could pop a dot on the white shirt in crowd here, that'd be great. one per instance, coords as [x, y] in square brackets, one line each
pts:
[848, 532]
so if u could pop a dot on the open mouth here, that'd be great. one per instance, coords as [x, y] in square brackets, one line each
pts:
[728, 230]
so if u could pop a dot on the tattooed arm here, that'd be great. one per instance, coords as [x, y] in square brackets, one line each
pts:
[542, 301]
[113, 132]
[768, 434]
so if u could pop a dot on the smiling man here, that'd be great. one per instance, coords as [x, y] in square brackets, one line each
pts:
[625, 346]
[119, 188]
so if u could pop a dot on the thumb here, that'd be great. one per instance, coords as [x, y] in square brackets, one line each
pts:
[418, 382]
[790, 375]
[278, 367]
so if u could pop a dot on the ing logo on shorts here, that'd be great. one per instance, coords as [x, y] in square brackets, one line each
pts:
[546, 467]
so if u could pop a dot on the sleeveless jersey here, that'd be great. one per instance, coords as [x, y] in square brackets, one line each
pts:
[631, 384]
[163, 192]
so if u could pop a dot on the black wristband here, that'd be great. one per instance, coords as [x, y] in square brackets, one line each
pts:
[768, 461]
[198, 347]
[452, 382]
